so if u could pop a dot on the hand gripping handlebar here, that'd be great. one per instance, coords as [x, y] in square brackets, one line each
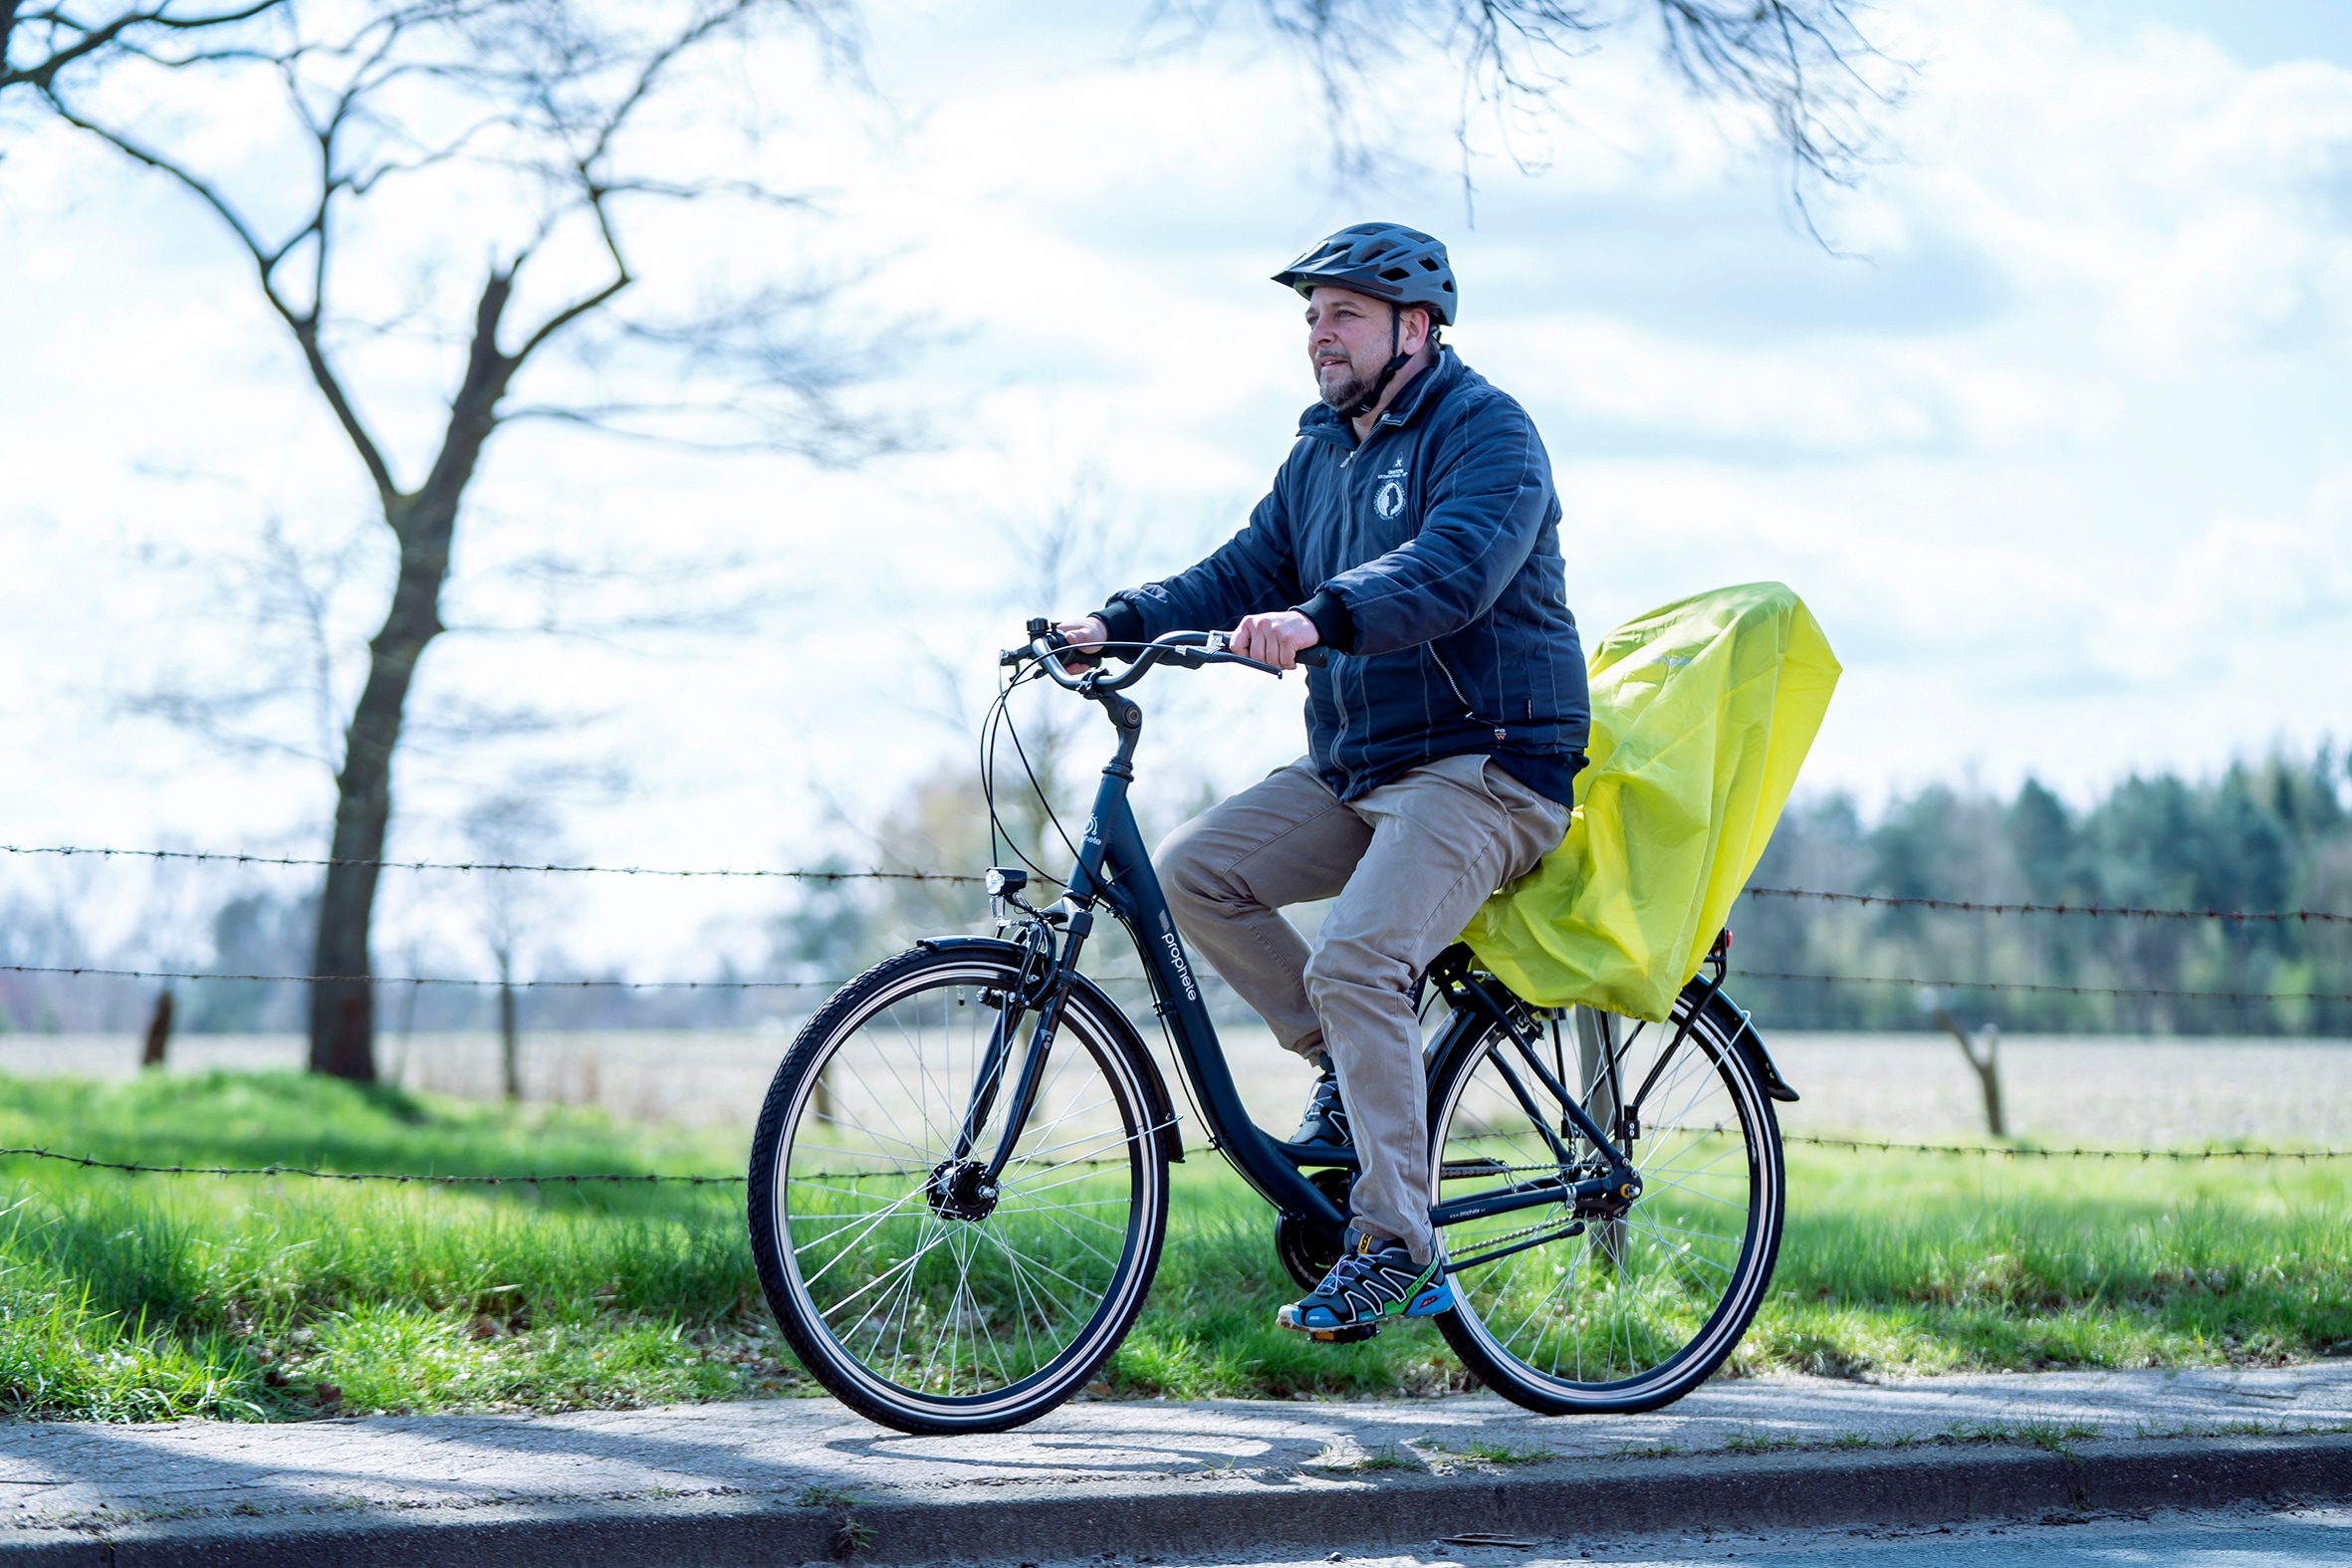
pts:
[1189, 650]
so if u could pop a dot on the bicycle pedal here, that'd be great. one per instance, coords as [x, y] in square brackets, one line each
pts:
[1353, 1333]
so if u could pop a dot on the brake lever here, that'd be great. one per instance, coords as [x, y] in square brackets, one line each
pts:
[1221, 644]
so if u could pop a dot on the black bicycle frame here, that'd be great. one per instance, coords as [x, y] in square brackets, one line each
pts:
[1114, 868]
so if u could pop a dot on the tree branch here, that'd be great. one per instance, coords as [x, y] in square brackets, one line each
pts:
[585, 167]
[305, 325]
[91, 40]
[1800, 62]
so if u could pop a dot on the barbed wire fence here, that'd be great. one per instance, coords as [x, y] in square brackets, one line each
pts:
[834, 876]
[551, 868]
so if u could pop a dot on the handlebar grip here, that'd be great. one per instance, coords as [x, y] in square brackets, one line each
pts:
[1314, 658]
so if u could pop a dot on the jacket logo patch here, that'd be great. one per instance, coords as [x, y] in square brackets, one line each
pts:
[1389, 499]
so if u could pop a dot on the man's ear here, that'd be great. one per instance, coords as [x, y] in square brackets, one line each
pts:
[1428, 324]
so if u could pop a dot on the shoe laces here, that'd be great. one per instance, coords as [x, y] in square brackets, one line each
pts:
[1351, 1267]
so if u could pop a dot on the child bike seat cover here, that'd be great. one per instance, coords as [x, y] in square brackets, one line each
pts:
[1702, 713]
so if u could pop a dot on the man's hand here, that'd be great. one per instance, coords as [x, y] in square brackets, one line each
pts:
[1275, 638]
[1082, 636]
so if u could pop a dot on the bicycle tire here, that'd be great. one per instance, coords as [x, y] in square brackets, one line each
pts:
[1012, 1309]
[1643, 1310]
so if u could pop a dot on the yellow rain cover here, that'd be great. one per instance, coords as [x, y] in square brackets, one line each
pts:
[1702, 714]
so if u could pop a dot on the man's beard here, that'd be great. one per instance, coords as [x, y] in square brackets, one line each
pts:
[1348, 392]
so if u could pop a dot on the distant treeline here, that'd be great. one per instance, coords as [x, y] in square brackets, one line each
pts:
[2261, 838]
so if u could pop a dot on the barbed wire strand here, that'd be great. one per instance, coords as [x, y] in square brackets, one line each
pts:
[613, 1178]
[622, 1178]
[1889, 901]
[488, 866]
[810, 984]
[649, 1179]
[1880, 1146]
[442, 980]
[2066, 990]
[2114, 911]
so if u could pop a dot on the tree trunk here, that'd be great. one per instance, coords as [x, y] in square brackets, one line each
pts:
[509, 1058]
[158, 1032]
[342, 998]
[343, 995]
[1982, 1050]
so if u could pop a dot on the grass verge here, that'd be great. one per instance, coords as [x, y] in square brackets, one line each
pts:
[146, 1297]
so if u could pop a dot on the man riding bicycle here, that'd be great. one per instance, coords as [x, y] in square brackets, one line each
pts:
[1413, 532]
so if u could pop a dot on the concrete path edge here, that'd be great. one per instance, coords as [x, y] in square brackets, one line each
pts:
[1560, 1501]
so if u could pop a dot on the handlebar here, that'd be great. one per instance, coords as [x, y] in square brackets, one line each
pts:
[1190, 650]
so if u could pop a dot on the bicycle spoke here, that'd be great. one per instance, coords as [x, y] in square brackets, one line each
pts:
[1625, 1301]
[922, 1277]
[874, 1224]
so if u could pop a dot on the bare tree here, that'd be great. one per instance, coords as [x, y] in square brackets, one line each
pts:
[545, 105]
[510, 828]
[1983, 1050]
[1805, 67]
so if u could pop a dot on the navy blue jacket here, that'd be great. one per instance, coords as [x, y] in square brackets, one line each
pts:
[1429, 558]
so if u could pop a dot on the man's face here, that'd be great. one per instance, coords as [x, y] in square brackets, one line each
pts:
[1347, 343]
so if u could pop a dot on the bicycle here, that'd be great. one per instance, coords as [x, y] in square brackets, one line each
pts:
[959, 1180]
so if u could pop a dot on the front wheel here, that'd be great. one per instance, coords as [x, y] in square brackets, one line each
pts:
[921, 1295]
[1628, 1310]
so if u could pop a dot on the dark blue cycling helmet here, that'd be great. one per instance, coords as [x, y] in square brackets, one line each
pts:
[1384, 260]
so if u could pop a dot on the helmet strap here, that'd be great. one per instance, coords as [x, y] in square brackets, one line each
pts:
[1396, 361]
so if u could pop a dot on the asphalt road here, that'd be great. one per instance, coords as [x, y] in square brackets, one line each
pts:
[2238, 1538]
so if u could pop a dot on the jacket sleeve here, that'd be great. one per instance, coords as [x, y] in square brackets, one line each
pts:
[1483, 509]
[1253, 571]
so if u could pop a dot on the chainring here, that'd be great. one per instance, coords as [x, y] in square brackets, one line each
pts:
[1306, 1254]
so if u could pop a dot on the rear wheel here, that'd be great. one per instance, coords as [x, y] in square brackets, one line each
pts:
[1566, 1312]
[920, 1297]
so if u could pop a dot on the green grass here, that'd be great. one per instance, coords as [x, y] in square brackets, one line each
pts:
[1927, 1264]
[142, 1297]
[133, 1298]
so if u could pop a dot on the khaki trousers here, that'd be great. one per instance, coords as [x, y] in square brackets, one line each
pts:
[1408, 863]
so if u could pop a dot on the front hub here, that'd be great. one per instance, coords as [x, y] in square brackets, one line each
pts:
[960, 1189]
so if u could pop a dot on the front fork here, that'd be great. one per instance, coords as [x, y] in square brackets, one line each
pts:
[1046, 967]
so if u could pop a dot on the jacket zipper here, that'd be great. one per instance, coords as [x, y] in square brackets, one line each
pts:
[1467, 712]
[1338, 672]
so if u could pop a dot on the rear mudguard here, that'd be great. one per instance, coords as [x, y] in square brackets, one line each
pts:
[1751, 1046]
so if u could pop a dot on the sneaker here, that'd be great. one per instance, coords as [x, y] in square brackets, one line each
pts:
[1326, 1121]
[1375, 1282]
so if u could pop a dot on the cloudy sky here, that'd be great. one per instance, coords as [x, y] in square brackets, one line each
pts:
[2056, 440]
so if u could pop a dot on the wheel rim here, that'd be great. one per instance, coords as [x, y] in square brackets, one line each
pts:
[1631, 1302]
[917, 1289]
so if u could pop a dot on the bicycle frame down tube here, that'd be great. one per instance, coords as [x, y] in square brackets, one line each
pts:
[1115, 867]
